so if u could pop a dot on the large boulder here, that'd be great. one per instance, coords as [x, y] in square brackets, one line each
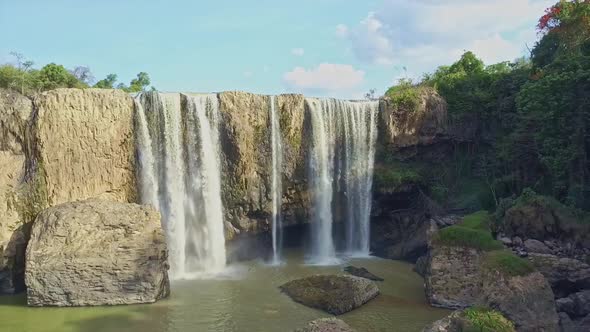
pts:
[543, 218]
[96, 253]
[460, 277]
[335, 294]
[566, 275]
[326, 325]
[526, 300]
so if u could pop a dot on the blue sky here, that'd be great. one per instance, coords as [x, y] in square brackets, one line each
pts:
[338, 48]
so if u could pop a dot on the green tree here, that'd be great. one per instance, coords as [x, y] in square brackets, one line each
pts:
[54, 76]
[139, 83]
[107, 83]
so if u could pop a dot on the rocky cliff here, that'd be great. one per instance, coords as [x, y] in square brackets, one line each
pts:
[63, 145]
[14, 113]
[245, 140]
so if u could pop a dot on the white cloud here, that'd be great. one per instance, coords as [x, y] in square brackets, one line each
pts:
[370, 41]
[325, 78]
[341, 31]
[248, 74]
[298, 52]
[422, 34]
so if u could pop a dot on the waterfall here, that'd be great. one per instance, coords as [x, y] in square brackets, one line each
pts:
[323, 122]
[179, 173]
[343, 141]
[360, 135]
[277, 193]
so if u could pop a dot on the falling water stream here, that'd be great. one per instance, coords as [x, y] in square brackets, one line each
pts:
[342, 155]
[179, 154]
[277, 193]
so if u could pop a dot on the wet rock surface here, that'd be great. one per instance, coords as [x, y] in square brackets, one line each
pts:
[335, 294]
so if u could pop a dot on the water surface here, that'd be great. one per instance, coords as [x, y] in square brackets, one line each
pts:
[248, 299]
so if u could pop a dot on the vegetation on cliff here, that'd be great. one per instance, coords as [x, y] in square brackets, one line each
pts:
[517, 124]
[482, 319]
[473, 232]
[24, 78]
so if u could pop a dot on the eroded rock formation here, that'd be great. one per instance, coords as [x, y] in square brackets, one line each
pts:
[96, 253]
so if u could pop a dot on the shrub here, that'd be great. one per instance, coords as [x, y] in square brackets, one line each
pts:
[480, 220]
[507, 263]
[480, 319]
[405, 95]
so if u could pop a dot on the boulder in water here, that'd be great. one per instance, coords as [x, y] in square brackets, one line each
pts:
[335, 294]
[326, 325]
[362, 272]
[96, 253]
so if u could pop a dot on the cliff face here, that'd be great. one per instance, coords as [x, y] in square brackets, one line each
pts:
[401, 126]
[65, 145]
[246, 150]
[84, 144]
[14, 112]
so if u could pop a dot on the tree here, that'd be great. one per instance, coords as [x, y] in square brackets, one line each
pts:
[83, 74]
[23, 66]
[54, 76]
[139, 83]
[107, 83]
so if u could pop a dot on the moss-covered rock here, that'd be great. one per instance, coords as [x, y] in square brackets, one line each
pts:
[540, 217]
[334, 294]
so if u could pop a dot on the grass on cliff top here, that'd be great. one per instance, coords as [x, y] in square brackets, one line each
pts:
[508, 263]
[472, 232]
[480, 319]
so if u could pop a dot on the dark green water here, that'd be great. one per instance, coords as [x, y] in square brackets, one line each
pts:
[248, 301]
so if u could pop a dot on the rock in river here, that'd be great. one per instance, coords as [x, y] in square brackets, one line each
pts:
[96, 253]
[362, 272]
[326, 325]
[335, 294]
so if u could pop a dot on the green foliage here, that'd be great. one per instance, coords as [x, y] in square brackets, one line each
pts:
[54, 76]
[27, 80]
[480, 319]
[107, 83]
[473, 232]
[405, 95]
[507, 263]
[457, 236]
[480, 220]
[390, 179]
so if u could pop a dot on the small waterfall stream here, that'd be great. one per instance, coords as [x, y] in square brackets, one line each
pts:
[277, 192]
[342, 154]
[179, 155]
